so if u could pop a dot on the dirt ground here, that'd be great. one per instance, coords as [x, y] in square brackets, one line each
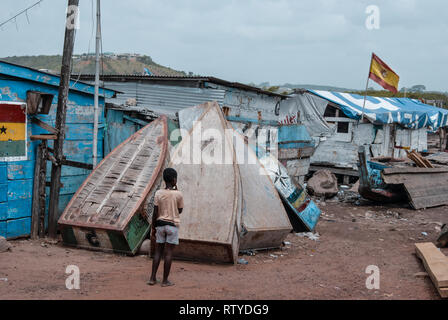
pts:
[334, 267]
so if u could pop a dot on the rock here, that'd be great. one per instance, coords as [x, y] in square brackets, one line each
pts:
[323, 184]
[4, 245]
[145, 247]
[442, 240]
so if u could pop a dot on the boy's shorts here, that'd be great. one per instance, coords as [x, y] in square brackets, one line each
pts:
[167, 234]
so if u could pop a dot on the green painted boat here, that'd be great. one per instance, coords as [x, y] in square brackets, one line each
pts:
[109, 211]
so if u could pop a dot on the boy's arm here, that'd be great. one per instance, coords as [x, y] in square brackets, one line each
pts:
[180, 203]
[155, 213]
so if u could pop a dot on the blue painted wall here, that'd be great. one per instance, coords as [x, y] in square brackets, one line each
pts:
[119, 128]
[16, 178]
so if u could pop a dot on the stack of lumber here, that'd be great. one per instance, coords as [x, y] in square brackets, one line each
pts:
[436, 264]
[419, 160]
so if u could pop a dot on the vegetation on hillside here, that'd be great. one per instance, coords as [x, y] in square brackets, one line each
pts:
[426, 96]
[111, 64]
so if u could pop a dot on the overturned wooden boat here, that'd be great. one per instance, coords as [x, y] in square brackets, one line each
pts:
[211, 220]
[303, 213]
[108, 212]
[265, 223]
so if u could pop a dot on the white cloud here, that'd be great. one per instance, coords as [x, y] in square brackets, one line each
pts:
[314, 41]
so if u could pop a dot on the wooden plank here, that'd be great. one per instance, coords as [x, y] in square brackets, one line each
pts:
[435, 262]
[35, 214]
[18, 228]
[390, 171]
[424, 190]
[44, 137]
[45, 126]
[76, 164]
[41, 191]
[346, 172]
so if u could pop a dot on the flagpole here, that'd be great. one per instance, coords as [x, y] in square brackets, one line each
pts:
[365, 92]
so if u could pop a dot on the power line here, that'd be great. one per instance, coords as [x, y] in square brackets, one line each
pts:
[20, 13]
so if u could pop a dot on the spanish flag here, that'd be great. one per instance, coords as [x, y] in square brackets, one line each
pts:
[12, 130]
[382, 74]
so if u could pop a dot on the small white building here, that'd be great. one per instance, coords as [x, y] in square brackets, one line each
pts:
[333, 121]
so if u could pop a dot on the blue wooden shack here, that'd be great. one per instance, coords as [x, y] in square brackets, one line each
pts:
[16, 178]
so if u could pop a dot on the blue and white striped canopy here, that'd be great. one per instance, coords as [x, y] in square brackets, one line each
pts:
[409, 113]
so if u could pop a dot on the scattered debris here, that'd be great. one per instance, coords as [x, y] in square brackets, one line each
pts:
[425, 234]
[418, 159]
[242, 261]
[442, 240]
[436, 264]
[248, 252]
[348, 196]
[4, 279]
[273, 256]
[309, 235]
[369, 214]
[4, 245]
[323, 183]
[286, 243]
[421, 275]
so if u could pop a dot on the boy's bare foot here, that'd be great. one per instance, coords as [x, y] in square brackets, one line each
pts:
[167, 284]
[151, 282]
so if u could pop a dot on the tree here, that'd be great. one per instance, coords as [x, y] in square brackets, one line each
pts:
[417, 88]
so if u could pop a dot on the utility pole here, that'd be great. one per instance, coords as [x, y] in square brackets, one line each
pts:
[56, 167]
[97, 83]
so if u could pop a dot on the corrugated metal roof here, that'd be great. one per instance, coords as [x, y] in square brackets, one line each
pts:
[197, 81]
[164, 99]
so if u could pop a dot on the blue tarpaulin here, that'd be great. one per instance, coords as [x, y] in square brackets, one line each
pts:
[409, 113]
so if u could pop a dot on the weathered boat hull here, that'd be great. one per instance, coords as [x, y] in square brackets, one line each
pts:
[211, 220]
[107, 212]
[264, 221]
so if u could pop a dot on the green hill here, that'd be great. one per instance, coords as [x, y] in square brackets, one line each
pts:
[111, 64]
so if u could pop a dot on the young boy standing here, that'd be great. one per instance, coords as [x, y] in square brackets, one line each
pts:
[168, 205]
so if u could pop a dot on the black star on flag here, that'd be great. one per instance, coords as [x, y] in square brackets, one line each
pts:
[3, 130]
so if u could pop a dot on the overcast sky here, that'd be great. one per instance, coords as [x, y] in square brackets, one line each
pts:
[284, 41]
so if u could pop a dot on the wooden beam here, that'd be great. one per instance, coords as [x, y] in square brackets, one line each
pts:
[61, 113]
[35, 214]
[42, 196]
[412, 170]
[436, 264]
[44, 137]
[76, 164]
[45, 126]
[346, 172]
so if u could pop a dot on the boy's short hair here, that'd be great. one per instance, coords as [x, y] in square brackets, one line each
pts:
[169, 174]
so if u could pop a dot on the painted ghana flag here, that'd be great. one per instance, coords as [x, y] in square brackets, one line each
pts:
[382, 74]
[12, 131]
